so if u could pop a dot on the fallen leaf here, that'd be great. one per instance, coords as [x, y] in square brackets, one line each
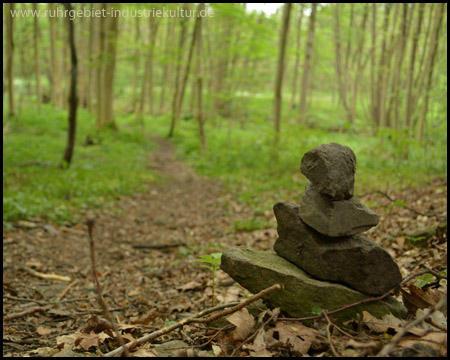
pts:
[435, 340]
[418, 298]
[297, 335]
[192, 285]
[244, 323]
[258, 347]
[43, 331]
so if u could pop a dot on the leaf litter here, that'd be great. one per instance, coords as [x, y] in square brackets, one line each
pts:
[180, 218]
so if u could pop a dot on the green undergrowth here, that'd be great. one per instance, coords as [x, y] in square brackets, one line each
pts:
[260, 174]
[33, 184]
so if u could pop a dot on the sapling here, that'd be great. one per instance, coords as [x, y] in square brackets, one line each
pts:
[211, 262]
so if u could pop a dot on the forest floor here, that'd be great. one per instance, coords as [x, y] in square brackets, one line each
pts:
[145, 252]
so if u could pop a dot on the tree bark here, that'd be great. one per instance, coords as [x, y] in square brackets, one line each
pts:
[71, 133]
[439, 14]
[280, 69]
[10, 58]
[199, 81]
[36, 59]
[182, 37]
[307, 65]
[297, 57]
[412, 60]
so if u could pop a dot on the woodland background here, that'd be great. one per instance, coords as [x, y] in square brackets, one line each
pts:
[182, 132]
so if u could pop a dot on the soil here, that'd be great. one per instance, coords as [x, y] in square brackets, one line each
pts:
[145, 247]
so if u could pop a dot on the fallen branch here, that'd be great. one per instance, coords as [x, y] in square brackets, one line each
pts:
[427, 313]
[45, 276]
[195, 318]
[367, 300]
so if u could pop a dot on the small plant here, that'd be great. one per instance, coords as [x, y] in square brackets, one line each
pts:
[211, 262]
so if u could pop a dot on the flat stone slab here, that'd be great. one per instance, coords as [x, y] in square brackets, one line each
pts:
[335, 218]
[257, 270]
[331, 168]
[355, 261]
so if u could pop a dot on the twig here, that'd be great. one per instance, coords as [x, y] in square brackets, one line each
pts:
[194, 318]
[363, 301]
[90, 224]
[333, 350]
[44, 276]
[389, 347]
[40, 308]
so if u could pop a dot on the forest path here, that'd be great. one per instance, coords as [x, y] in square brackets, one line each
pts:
[145, 247]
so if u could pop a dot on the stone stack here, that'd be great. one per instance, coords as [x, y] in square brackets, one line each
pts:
[321, 238]
[321, 235]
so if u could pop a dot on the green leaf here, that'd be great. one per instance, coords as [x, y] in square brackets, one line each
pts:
[316, 310]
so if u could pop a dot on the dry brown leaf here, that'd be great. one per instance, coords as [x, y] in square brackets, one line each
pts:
[192, 285]
[43, 330]
[258, 347]
[386, 323]
[300, 337]
[435, 340]
[86, 341]
[418, 298]
[244, 323]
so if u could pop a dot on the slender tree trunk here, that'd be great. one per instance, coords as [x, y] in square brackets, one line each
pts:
[174, 119]
[402, 37]
[439, 14]
[358, 62]
[199, 81]
[36, 59]
[68, 153]
[339, 66]
[134, 79]
[109, 68]
[94, 59]
[373, 98]
[297, 57]
[150, 61]
[10, 58]
[280, 69]
[307, 65]
[167, 70]
[412, 60]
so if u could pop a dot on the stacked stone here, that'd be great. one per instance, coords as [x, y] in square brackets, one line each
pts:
[322, 234]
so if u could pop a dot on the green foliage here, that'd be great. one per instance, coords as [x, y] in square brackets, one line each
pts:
[211, 262]
[316, 310]
[251, 224]
[35, 186]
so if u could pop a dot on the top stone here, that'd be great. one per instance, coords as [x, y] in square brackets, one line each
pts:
[331, 168]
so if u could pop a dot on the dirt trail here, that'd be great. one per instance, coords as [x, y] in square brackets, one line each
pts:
[181, 216]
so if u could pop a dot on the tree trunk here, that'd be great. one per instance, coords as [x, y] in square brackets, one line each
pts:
[439, 14]
[10, 57]
[412, 59]
[174, 119]
[280, 69]
[36, 59]
[199, 77]
[339, 66]
[307, 65]
[68, 153]
[153, 31]
[297, 57]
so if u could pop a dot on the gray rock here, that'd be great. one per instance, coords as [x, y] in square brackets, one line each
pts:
[335, 218]
[355, 261]
[257, 270]
[331, 168]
